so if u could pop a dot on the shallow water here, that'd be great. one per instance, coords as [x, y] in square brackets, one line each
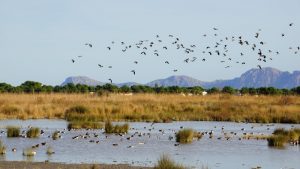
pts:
[145, 150]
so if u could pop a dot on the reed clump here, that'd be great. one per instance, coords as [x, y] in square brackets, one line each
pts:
[110, 128]
[56, 135]
[85, 125]
[29, 152]
[186, 136]
[281, 136]
[49, 151]
[13, 131]
[2, 148]
[77, 113]
[33, 132]
[165, 162]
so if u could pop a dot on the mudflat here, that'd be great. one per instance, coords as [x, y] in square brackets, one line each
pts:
[48, 165]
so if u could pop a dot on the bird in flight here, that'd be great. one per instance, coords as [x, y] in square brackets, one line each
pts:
[88, 44]
[133, 71]
[79, 56]
[108, 47]
[175, 70]
[136, 62]
[100, 65]
[110, 67]
[166, 62]
[291, 24]
[73, 61]
[259, 66]
[110, 80]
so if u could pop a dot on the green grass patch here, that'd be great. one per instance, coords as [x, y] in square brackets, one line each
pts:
[110, 128]
[13, 131]
[165, 162]
[33, 132]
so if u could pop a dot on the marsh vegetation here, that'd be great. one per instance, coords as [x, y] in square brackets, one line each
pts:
[151, 107]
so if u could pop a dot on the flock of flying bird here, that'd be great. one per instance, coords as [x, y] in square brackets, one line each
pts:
[219, 48]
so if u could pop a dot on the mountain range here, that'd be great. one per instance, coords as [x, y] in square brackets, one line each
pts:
[265, 77]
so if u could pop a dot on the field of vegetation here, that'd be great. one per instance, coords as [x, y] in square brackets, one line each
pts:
[151, 107]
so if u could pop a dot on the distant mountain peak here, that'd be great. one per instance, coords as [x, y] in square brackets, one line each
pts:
[265, 77]
[81, 80]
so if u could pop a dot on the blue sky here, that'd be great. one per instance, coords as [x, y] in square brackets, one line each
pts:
[38, 39]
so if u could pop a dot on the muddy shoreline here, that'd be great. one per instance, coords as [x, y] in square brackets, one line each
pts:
[50, 165]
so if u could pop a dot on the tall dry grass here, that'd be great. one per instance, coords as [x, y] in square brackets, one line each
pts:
[153, 107]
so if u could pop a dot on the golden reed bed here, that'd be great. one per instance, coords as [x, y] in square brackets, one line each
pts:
[154, 107]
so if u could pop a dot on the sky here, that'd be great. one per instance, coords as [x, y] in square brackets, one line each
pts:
[38, 39]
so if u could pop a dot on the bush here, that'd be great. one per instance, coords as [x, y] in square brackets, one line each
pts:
[13, 131]
[84, 125]
[33, 132]
[110, 128]
[185, 136]
[165, 162]
[2, 148]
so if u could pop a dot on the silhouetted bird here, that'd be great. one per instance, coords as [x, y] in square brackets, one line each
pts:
[133, 71]
[110, 80]
[100, 65]
[291, 24]
[259, 66]
[166, 62]
[73, 61]
[135, 62]
[108, 48]
[88, 44]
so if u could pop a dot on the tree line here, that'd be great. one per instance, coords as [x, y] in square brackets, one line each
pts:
[36, 87]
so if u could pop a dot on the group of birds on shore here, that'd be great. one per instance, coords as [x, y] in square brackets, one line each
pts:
[221, 47]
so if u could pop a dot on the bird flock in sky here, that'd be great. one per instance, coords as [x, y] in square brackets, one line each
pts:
[159, 45]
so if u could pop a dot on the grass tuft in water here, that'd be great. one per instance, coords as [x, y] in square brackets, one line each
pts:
[185, 136]
[281, 136]
[29, 152]
[2, 148]
[110, 128]
[13, 131]
[33, 132]
[56, 135]
[50, 151]
[165, 162]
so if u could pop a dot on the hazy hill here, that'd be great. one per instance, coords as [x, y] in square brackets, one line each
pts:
[265, 77]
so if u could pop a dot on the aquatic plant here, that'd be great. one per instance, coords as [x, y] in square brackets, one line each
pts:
[56, 135]
[84, 125]
[185, 136]
[13, 131]
[281, 136]
[110, 128]
[2, 148]
[33, 132]
[165, 162]
[29, 152]
[50, 151]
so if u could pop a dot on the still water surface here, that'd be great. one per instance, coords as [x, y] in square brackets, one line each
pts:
[155, 140]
